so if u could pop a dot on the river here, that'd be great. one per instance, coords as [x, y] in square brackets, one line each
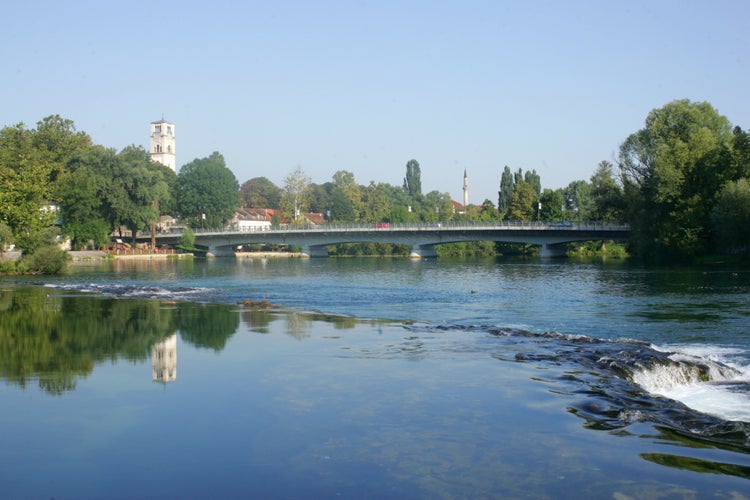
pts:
[376, 378]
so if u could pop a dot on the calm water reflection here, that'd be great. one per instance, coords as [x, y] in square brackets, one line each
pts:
[113, 397]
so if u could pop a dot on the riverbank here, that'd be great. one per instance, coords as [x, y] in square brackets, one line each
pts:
[88, 256]
[266, 255]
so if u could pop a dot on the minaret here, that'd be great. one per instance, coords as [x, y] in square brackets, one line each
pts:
[466, 189]
[162, 143]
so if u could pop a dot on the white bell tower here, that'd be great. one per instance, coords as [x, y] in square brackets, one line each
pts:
[162, 146]
[164, 360]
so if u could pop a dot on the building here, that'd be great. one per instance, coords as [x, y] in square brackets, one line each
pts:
[162, 146]
[164, 360]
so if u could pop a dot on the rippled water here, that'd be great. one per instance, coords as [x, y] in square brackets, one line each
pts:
[381, 377]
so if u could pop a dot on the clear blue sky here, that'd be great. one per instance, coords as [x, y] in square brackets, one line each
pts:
[367, 85]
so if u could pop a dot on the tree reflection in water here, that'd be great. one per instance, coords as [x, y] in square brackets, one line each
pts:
[55, 338]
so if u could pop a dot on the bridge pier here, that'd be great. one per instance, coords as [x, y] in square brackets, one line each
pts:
[314, 251]
[422, 251]
[552, 250]
[220, 251]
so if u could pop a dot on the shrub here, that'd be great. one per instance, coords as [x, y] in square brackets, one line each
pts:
[48, 259]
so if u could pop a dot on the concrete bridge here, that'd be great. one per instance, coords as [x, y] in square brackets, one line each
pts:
[422, 237]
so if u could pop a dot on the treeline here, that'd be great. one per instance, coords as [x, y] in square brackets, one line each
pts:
[57, 184]
[681, 182]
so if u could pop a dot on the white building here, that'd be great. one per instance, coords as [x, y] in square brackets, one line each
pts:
[162, 146]
[164, 360]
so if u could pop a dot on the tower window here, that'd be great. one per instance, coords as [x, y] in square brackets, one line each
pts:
[169, 130]
[169, 149]
[158, 148]
[157, 128]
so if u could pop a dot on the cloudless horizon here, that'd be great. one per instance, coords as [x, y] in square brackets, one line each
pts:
[366, 86]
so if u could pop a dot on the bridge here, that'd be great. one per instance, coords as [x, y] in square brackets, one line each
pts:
[422, 237]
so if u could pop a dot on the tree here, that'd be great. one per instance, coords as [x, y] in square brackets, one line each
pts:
[295, 195]
[507, 184]
[553, 203]
[58, 141]
[136, 187]
[608, 202]
[205, 187]
[487, 211]
[26, 187]
[376, 203]
[523, 203]
[341, 208]
[413, 179]
[82, 190]
[344, 182]
[6, 237]
[731, 217]
[675, 165]
[579, 200]
[740, 162]
[259, 192]
[533, 180]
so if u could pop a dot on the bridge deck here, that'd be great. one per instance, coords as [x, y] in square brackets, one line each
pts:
[421, 236]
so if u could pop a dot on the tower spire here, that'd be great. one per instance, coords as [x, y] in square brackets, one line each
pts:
[466, 189]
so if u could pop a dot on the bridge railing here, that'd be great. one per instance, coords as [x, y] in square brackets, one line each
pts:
[412, 226]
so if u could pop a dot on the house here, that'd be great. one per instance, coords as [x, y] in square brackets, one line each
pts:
[457, 207]
[313, 218]
[254, 219]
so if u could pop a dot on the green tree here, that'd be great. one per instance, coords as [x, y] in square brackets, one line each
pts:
[6, 237]
[259, 192]
[296, 193]
[533, 180]
[187, 240]
[608, 201]
[579, 200]
[740, 162]
[675, 165]
[553, 203]
[344, 182]
[207, 187]
[487, 211]
[25, 177]
[341, 208]
[136, 185]
[523, 203]
[413, 179]
[57, 141]
[731, 217]
[377, 204]
[507, 185]
[83, 190]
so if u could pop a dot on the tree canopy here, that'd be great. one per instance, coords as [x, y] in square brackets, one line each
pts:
[674, 167]
[207, 192]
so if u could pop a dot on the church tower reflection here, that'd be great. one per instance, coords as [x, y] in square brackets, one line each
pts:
[164, 360]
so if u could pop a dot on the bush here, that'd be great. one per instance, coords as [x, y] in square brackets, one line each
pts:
[187, 240]
[48, 259]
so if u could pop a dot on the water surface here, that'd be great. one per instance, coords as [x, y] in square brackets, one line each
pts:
[375, 378]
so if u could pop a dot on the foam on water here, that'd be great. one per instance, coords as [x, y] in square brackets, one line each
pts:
[706, 378]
